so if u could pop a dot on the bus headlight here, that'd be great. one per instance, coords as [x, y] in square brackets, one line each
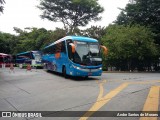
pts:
[100, 68]
[76, 67]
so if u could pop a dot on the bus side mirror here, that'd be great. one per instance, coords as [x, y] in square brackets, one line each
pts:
[72, 47]
[105, 50]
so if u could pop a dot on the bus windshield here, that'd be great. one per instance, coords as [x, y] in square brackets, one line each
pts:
[87, 53]
[37, 56]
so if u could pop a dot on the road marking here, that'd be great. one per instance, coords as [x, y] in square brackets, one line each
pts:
[103, 81]
[130, 82]
[101, 101]
[100, 91]
[152, 102]
[146, 82]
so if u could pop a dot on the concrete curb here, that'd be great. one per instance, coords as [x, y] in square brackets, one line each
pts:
[131, 72]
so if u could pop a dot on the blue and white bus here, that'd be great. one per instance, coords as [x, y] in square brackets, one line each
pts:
[30, 57]
[74, 56]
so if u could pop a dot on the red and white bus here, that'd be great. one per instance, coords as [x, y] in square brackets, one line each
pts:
[5, 60]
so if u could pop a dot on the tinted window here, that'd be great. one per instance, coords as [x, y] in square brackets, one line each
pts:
[59, 47]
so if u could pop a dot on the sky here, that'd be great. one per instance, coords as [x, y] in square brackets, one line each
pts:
[24, 13]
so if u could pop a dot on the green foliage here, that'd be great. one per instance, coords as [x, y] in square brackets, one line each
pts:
[95, 32]
[146, 13]
[7, 42]
[129, 45]
[33, 40]
[57, 34]
[143, 12]
[72, 13]
[28, 39]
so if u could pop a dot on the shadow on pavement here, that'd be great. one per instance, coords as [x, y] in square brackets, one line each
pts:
[75, 78]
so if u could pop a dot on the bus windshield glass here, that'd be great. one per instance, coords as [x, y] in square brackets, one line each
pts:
[87, 53]
[37, 56]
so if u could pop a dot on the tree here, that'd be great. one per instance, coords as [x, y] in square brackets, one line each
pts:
[143, 12]
[129, 47]
[1, 5]
[95, 32]
[35, 39]
[7, 43]
[31, 39]
[72, 13]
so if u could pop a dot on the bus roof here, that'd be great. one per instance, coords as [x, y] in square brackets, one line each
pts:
[26, 52]
[77, 38]
[3, 54]
[82, 38]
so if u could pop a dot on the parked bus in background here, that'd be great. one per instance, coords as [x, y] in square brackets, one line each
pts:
[74, 56]
[30, 57]
[5, 60]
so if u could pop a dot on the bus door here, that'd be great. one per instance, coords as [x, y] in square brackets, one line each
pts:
[69, 56]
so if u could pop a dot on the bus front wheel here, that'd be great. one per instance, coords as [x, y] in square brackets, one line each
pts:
[64, 72]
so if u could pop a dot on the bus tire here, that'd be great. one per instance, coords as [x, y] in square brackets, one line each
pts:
[64, 72]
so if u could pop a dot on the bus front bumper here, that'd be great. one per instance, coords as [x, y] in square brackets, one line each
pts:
[85, 72]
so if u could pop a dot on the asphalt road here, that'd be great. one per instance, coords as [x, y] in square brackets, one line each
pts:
[38, 90]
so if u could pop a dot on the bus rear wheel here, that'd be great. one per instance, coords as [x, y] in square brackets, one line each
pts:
[64, 72]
